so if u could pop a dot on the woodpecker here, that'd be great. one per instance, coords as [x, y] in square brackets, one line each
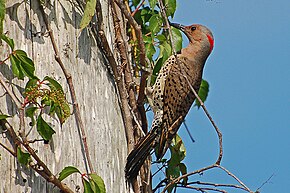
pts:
[171, 96]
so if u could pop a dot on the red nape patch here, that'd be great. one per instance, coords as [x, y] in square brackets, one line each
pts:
[211, 42]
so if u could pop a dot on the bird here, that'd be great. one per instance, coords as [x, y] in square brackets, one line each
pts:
[171, 96]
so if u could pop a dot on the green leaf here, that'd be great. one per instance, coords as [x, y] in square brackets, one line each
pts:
[9, 41]
[161, 37]
[136, 2]
[87, 186]
[99, 182]
[152, 4]
[150, 50]
[44, 129]
[145, 14]
[29, 112]
[183, 170]
[26, 63]
[3, 117]
[2, 15]
[23, 158]
[177, 39]
[30, 84]
[170, 7]
[15, 66]
[53, 84]
[155, 23]
[202, 93]
[164, 53]
[67, 171]
[88, 13]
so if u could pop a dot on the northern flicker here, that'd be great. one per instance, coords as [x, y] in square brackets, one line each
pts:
[171, 96]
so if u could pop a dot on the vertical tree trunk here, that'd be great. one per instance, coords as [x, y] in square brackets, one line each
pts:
[96, 95]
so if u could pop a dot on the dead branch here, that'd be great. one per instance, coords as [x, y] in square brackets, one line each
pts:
[68, 77]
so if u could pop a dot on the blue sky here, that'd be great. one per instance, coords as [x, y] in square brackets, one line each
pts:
[249, 76]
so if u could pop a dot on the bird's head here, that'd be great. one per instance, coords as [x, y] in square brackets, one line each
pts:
[197, 33]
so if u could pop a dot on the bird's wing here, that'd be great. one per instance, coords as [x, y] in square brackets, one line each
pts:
[177, 100]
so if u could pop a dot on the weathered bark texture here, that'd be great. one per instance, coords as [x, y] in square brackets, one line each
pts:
[96, 95]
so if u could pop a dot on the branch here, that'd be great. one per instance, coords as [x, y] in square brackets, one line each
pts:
[144, 75]
[39, 167]
[236, 178]
[68, 77]
[217, 185]
[200, 189]
[18, 104]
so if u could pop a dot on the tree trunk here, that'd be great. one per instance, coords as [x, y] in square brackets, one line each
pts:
[95, 92]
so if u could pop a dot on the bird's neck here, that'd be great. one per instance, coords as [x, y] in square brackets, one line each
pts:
[195, 51]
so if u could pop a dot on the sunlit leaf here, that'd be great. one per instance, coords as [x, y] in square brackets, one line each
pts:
[2, 116]
[23, 158]
[30, 84]
[9, 41]
[202, 93]
[155, 23]
[16, 67]
[2, 14]
[88, 13]
[26, 64]
[44, 129]
[53, 84]
[67, 171]
[87, 186]
[152, 4]
[177, 39]
[170, 7]
[99, 182]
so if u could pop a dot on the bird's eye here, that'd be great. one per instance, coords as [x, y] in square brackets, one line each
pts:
[193, 28]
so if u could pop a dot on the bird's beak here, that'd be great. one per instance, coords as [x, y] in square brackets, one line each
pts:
[177, 25]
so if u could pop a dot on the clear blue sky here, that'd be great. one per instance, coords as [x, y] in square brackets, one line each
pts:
[249, 76]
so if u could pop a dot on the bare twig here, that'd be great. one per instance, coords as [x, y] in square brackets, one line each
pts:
[68, 77]
[233, 176]
[267, 181]
[211, 120]
[19, 106]
[217, 185]
[188, 131]
[8, 149]
[39, 167]
[142, 55]
[201, 189]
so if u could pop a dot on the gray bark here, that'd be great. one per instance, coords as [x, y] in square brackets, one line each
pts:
[96, 95]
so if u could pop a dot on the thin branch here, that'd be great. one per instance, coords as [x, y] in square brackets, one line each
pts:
[217, 185]
[233, 176]
[188, 131]
[141, 46]
[176, 180]
[211, 120]
[8, 149]
[18, 104]
[68, 77]
[39, 167]
[203, 189]
[267, 181]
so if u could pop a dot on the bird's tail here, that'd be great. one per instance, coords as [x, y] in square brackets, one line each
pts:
[139, 154]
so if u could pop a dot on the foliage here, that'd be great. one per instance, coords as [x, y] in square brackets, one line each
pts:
[2, 15]
[92, 183]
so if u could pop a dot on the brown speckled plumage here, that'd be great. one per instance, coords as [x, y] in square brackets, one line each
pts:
[171, 97]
